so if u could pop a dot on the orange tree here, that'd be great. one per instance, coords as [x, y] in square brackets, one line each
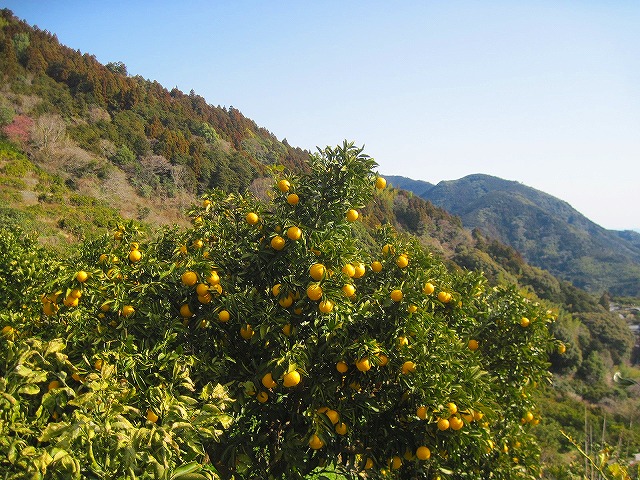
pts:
[272, 340]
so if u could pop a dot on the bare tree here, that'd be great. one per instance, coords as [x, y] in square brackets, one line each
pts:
[48, 131]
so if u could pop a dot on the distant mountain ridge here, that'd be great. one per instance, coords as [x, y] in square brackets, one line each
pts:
[547, 231]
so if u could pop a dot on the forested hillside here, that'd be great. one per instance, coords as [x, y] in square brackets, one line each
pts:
[547, 231]
[86, 146]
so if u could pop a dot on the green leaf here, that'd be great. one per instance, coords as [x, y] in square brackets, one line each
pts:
[53, 430]
[184, 469]
[23, 371]
[54, 346]
[29, 389]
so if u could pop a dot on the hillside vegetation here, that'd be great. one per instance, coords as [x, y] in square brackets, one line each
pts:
[85, 147]
[548, 232]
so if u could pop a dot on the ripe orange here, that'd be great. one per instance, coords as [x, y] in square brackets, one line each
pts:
[291, 379]
[408, 367]
[206, 298]
[206, 203]
[473, 345]
[349, 290]
[325, 306]
[70, 301]
[213, 278]
[286, 330]
[402, 261]
[364, 364]
[262, 396]
[453, 408]
[252, 218]
[246, 332]
[349, 270]
[52, 297]
[525, 322]
[396, 462]
[423, 453]
[284, 185]
[380, 183]
[189, 278]
[202, 289]
[127, 311]
[360, 270]
[76, 293]
[315, 442]
[314, 292]
[267, 381]
[53, 385]
[443, 424]
[412, 308]
[528, 416]
[342, 367]
[456, 423]
[151, 416]
[98, 364]
[294, 233]
[376, 266]
[287, 301]
[185, 311]
[402, 341]
[277, 242]
[352, 215]
[387, 249]
[275, 290]
[428, 288]
[444, 297]
[421, 412]
[383, 359]
[396, 295]
[368, 464]
[341, 428]
[9, 332]
[82, 276]
[477, 416]
[135, 256]
[317, 271]
[224, 316]
[467, 416]
[333, 416]
[198, 244]
[49, 309]
[293, 199]
[562, 348]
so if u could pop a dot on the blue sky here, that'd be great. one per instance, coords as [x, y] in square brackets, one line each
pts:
[546, 93]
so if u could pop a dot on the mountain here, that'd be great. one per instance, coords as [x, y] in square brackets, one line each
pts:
[419, 187]
[547, 231]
